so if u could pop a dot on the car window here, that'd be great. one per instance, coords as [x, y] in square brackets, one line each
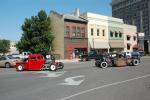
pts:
[3, 58]
[11, 57]
[33, 58]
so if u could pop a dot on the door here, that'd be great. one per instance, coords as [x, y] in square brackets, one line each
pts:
[33, 63]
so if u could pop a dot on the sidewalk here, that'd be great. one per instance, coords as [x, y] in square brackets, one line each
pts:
[69, 60]
[146, 57]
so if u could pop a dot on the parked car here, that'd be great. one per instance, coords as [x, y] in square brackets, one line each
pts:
[89, 56]
[38, 62]
[7, 61]
[142, 53]
[116, 59]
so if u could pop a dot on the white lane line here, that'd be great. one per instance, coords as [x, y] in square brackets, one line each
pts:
[107, 85]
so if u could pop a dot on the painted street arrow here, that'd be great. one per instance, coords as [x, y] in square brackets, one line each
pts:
[71, 81]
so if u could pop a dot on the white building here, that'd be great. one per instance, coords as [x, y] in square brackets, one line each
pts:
[130, 37]
[97, 32]
[13, 49]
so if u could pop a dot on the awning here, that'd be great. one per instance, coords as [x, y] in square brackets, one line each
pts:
[101, 45]
[116, 44]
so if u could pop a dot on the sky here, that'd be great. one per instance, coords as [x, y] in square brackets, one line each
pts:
[14, 12]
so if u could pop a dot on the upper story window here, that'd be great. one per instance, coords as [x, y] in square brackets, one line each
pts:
[128, 37]
[103, 31]
[74, 31]
[116, 34]
[83, 32]
[78, 32]
[97, 32]
[111, 34]
[67, 30]
[92, 33]
[134, 38]
[120, 34]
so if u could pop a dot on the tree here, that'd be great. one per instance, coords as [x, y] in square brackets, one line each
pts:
[4, 46]
[37, 34]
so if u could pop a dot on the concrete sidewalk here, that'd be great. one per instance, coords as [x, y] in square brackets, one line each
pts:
[69, 60]
[148, 57]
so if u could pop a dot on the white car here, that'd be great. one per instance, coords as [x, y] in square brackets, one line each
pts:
[8, 61]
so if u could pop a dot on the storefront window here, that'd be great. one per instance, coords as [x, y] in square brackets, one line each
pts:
[128, 46]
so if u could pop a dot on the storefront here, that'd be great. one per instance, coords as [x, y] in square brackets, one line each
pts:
[75, 47]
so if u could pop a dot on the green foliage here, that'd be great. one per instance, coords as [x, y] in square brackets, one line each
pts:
[4, 46]
[36, 34]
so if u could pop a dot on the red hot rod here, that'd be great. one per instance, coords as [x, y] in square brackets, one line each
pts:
[38, 62]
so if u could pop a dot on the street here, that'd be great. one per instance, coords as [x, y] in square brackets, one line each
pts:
[78, 81]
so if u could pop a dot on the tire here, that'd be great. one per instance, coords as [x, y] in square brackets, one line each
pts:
[7, 65]
[53, 67]
[97, 63]
[104, 64]
[61, 65]
[135, 62]
[20, 68]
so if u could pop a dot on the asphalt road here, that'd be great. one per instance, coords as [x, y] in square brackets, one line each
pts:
[78, 81]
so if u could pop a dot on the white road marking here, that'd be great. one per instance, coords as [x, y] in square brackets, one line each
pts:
[51, 74]
[71, 81]
[107, 85]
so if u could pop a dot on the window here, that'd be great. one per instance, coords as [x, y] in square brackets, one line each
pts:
[111, 34]
[83, 32]
[73, 31]
[91, 31]
[134, 38]
[120, 35]
[38, 57]
[128, 46]
[97, 32]
[103, 31]
[33, 58]
[78, 32]
[128, 37]
[116, 34]
[67, 30]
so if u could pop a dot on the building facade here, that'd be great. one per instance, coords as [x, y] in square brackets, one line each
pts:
[70, 33]
[130, 38]
[97, 32]
[13, 49]
[115, 34]
[135, 12]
